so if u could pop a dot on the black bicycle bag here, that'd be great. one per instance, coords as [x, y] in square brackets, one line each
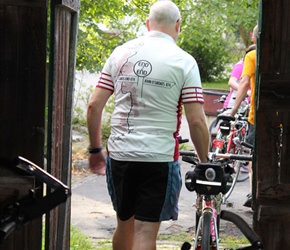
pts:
[208, 179]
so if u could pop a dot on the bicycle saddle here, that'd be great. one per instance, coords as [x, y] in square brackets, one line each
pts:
[228, 117]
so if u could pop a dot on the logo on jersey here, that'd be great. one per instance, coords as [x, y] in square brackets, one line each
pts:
[142, 68]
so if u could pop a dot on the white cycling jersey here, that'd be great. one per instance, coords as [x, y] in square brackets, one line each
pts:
[150, 77]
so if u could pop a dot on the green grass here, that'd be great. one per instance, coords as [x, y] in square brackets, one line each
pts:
[181, 237]
[80, 241]
[230, 241]
[216, 85]
[104, 245]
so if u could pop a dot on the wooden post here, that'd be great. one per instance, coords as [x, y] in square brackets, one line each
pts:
[64, 26]
[272, 165]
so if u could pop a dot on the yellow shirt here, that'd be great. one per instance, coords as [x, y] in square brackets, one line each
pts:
[250, 70]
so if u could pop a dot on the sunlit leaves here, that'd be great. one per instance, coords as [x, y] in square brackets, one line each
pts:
[211, 29]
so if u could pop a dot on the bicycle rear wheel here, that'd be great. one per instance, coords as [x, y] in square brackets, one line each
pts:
[243, 172]
[238, 176]
[243, 167]
[206, 236]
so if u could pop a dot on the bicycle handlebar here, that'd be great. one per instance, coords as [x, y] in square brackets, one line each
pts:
[188, 153]
[233, 157]
[246, 144]
[245, 229]
[180, 140]
[222, 156]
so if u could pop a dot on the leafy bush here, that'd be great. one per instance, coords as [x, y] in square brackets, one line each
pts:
[211, 60]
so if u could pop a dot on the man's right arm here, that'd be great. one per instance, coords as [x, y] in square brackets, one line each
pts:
[198, 129]
[94, 121]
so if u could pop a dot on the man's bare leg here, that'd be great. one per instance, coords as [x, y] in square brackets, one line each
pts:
[145, 235]
[124, 234]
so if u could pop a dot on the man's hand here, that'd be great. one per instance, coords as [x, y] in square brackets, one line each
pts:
[97, 163]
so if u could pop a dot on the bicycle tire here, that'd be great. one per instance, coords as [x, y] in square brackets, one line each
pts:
[238, 167]
[243, 226]
[242, 175]
[238, 176]
[206, 236]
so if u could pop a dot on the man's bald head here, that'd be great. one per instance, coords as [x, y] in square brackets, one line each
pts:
[165, 17]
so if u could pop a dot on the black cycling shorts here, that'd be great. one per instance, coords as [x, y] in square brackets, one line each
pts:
[149, 191]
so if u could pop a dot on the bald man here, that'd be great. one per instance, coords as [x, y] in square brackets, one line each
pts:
[150, 77]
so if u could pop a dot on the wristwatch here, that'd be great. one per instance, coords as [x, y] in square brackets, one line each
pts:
[95, 150]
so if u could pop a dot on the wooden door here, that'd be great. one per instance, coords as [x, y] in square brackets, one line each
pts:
[22, 105]
[272, 164]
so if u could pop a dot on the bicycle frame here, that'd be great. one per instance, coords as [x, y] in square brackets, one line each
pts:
[205, 180]
[229, 139]
[242, 112]
[205, 205]
[231, 145]
[221, 140]
[209, 186]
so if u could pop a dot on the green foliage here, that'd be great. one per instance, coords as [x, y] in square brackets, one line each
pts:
[211, 57]
[211, 30]
[103, 25]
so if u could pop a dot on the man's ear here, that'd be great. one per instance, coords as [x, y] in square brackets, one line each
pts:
[147, 24]
[178, 26]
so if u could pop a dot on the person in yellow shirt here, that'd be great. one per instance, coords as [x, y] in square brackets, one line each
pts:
[248, 80]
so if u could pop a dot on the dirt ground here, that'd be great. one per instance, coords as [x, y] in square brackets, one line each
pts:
[79, 156]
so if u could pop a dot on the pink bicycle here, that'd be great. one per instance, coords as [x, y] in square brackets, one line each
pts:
[210, 181]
